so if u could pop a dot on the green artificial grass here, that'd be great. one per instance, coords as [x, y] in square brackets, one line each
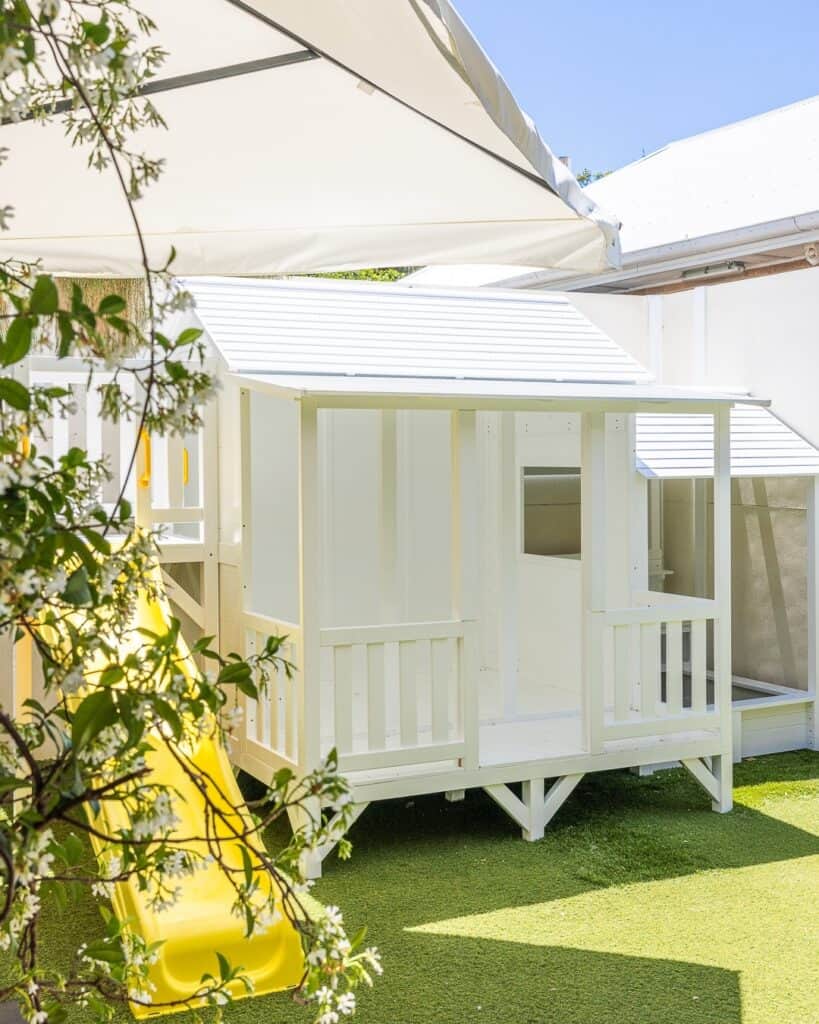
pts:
[640, 906]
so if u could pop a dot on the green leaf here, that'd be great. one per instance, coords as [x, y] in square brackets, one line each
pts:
[18, 340]
[104, 952]
[248, 687]
[224, 967]
[247, 864]
[77, 591]
[45, 299]
[94, 713]
[170, 715]
[189, 336]
[233, 673]
[13, 393]
[111, 305]
[96, 540]
[111, 675]
[67, 334]
[73, 849]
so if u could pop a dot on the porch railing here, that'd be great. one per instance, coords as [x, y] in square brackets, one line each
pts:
[271, 733]
[654, 668]
[402, 694]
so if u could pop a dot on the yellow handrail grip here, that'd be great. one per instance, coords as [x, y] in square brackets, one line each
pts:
[145, 441]
[186, 467]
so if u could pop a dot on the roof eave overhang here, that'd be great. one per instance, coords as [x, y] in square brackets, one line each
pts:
[666, 264]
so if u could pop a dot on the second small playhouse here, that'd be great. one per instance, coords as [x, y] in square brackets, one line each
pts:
[442, 498]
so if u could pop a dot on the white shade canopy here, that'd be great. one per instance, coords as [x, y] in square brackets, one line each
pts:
[308, 135]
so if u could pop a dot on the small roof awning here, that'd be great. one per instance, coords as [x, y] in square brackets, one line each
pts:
[366, 344]
[682, 447]
[446, 392]
[307, 135]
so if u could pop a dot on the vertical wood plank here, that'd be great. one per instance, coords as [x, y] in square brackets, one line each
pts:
[699, 694]
[423, 687]
[465, 569]
[723, 769]
[622, 672]
[673, 667]
[408, 701]
[343, 698]
[246, 500]
[635, 687]
[468, 675]
[441, 672]
[309, 712]
[251, 706]
[511, 546]
[650, 654]
[176, 486]
[376, 702]
[593, 560]
[389, 516]
[267, 698]
[813, 607]
[204, 454]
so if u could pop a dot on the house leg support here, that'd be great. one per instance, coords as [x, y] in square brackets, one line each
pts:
[536, 807]
[716, 779]
[308, 816]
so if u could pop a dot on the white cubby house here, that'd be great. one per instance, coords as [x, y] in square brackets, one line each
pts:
[443, 498]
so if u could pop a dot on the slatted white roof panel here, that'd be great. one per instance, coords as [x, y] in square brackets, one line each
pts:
[332, 327]
[683, 446]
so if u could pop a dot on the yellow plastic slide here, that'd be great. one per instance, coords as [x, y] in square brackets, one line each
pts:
[200, 923]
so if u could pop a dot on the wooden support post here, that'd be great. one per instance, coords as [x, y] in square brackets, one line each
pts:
[536, 807]
[245, 502]
[455, 796]
[594, 564]
[699, 536]
[723, 762]
[465, 563]
[533, 795]
[389, 517]
[309, 693]
[209, 484]
[813, 608]
[511, 542]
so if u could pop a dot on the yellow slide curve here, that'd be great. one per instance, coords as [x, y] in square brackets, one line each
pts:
[200, 923]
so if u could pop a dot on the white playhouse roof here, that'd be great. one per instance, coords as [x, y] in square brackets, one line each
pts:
[306, 135]
[358, 339]
[683, 446]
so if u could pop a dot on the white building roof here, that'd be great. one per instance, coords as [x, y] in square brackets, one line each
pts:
[330, 327]
[704, 208]
[683, 446]
[763, 169]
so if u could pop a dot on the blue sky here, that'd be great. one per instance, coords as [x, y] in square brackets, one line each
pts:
[608, 81]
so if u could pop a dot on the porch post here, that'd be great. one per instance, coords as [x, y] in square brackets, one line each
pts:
[813, 607]
[593, 561]
[723, 762]
[511, 542]
[389, 516]
[465, 559]
[309, 711]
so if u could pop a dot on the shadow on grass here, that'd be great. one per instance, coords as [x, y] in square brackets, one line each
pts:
[459, 980]
[616, 829]
[425, 860]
